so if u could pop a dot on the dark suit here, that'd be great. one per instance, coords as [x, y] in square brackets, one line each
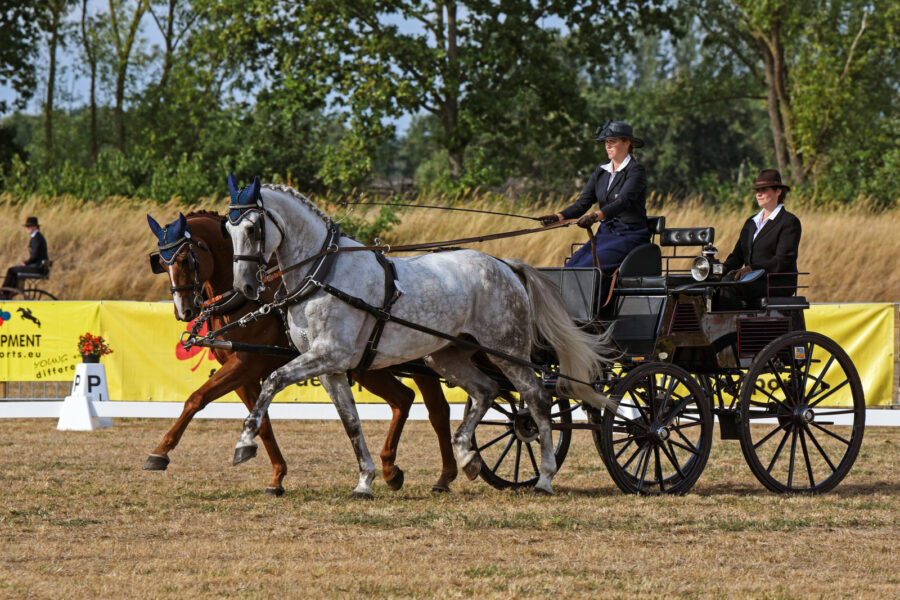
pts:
[37, 256]
[774, 250]
[625, 211]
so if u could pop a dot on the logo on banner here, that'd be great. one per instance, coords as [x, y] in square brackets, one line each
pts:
[182, 354]
[4, 317]
[28, 315]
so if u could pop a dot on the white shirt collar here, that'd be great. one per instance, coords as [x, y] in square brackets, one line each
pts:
[609, 168]
[34, 233]
[612, 174]
[760, 223]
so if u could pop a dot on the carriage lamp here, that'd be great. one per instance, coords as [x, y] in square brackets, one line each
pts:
[707, 264]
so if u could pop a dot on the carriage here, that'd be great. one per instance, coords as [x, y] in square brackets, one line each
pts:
[30, 282]
[790, 396]
[685, 360]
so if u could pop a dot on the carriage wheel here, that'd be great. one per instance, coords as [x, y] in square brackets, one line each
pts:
[37, 294]
[659, 440]
[802, 414]
[511, 450]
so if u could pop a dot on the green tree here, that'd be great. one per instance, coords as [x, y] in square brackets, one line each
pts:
[469, 64]
[19, 40]
[828, 70]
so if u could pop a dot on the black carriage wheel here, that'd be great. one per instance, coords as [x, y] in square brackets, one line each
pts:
[803, 412]
[659, 440]
[510, 451]
[37, 294]
[11, 293]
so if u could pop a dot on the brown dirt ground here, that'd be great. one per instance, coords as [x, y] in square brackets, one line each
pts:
[79, 519]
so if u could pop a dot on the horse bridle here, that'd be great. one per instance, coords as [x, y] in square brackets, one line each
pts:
[236, 214]
[157, 262]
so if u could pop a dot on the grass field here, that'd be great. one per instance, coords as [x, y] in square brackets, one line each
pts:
[79, 519]
[100, 249]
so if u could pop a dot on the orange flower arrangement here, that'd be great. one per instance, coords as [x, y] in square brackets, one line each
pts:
[93, 345]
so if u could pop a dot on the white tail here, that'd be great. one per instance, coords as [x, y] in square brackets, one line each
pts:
[581, 355]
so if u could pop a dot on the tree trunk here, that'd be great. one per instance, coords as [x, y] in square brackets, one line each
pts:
[450, 109]
[123, 56]
[168, 34]
[55, 9]
[798, 171]
[775, 124]
[92, 62]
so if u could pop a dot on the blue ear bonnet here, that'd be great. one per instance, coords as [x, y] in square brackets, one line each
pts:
[243, 200]
[172, 240]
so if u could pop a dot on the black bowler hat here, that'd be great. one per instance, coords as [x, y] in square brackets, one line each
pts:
[769, 178]
[31, 222]
[617, 129]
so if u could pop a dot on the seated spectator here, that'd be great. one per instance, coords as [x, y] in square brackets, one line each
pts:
[36, 261]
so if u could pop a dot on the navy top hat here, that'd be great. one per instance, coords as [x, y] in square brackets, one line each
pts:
[618, 129]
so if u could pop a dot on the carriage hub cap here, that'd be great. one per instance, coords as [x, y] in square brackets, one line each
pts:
[661, 433]
[525, 427]
[807, 415]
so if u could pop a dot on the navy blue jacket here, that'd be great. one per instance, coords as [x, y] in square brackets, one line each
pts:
[625, 199]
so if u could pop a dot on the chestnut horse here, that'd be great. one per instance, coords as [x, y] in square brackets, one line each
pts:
[196, 254]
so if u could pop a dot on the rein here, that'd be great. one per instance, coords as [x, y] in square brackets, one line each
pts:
[272, 275]
[471, 210]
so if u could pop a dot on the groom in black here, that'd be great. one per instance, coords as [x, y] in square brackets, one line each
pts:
[37, 256]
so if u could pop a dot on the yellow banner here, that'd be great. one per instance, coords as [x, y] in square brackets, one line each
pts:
[38, 342]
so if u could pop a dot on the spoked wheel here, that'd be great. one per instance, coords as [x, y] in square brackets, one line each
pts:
[659, 440]
[37, 294]
[510, 450]
[802, 414]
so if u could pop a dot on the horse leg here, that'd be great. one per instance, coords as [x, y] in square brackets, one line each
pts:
[439, 415]
[399, 398]
[341, 395]
[249, 394]
[305, 366]
[539, 402]
[456, 367]
[226, 379]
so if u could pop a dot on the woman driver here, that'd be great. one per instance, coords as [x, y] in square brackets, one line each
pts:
[619, 188]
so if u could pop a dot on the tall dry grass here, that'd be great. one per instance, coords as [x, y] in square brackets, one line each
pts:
[100, 249]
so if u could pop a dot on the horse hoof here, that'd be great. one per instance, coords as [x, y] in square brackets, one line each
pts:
[243, 454]
[155, 462]
[396, 482]
[537, 491]
[362, 496]
[273, 491]
[473, 468]
[440, 489]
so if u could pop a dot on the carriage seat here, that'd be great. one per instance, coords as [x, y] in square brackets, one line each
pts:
[44, 273]
[642, 267]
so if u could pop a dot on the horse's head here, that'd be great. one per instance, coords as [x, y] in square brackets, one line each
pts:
[187, 268]
[255, 236]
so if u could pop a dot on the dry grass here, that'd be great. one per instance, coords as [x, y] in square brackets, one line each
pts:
[79, 519]
[100, 250]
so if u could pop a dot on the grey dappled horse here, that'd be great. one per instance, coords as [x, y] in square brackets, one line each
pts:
[503, 305]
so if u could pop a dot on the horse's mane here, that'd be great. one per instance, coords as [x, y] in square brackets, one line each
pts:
[206, 213]
[281, 187]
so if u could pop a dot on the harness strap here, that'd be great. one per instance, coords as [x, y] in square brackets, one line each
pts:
[386, 316]
[391, 294]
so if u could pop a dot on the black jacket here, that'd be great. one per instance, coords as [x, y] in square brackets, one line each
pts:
[625, 199]
[775, 250]
[37, 250]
